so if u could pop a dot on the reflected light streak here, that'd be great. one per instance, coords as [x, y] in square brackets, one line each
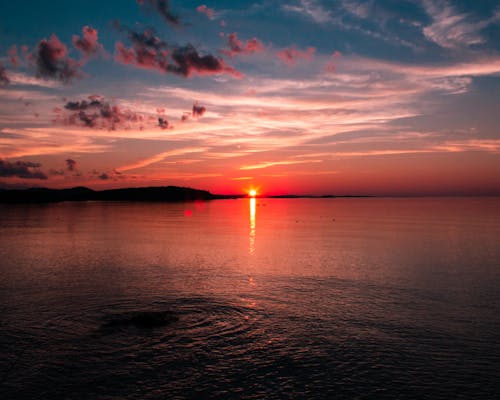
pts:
[251, 249]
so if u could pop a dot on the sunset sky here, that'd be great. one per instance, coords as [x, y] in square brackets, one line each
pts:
[300, 96]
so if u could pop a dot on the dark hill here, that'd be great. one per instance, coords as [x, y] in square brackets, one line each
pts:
[162, 193]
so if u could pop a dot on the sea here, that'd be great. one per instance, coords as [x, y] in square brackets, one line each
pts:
[306, 298]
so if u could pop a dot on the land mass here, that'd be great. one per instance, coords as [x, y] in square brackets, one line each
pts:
[159, 193]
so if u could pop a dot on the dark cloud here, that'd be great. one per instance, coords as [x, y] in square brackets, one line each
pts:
[236, 46]
[70, 164]
[97, 113]
[141, 57]
[83, 105]
[150, 52]
[88, 44]
[187, 62]
[198, 110]
[163, 123]
[52, 61]
[21, 169]
[146, 38]
[163, 8]
[147, 51]
[4, 79]
[104, 176]
[290, 55]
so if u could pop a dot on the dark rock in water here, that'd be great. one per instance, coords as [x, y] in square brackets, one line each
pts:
[142, 320]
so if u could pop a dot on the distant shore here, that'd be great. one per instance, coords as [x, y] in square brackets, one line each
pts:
[146, 194]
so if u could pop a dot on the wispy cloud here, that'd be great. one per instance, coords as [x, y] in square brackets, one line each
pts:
[450, 28]
[19, 78]
[312, 9]
[160, 157]
[341, 14]
[267, 164]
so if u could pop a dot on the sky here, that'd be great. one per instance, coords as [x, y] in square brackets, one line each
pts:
[344, 97]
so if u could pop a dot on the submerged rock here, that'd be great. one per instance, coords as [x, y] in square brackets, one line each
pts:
[143, 320]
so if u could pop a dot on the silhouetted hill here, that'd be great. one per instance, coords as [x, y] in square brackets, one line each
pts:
[162, 193]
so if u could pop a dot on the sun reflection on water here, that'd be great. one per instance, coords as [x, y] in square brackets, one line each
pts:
[253, 201]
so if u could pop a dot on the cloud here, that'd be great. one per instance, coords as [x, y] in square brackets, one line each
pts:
[150, 52]
[198, 110]
[88, 44]
[163, 123]
[84, 104]
[163, 8]
[361, 10]
[311, 9]
[146, 38]
[341, 14]
[18, 78]
[189, 62]
[97, 113]
[449, 28]
[236, 46]
[53, 62]
[203, 9]
[21, 169]
[160, 157]
[4, 79]
[364, 97]
[104, 176]
[291, 54]
[267, 164]
[70, 164]
[126, 55]
[141, 57]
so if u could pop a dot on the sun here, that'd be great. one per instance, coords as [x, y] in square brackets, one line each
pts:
[252, 192]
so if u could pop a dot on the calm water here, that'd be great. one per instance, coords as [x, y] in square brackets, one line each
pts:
[280, 298]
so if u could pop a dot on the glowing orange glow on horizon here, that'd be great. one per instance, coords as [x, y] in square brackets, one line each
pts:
[252, 190]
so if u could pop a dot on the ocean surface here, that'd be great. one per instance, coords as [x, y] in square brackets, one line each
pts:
[348, 298]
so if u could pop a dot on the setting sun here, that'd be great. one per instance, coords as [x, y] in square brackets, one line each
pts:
[252, 192]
